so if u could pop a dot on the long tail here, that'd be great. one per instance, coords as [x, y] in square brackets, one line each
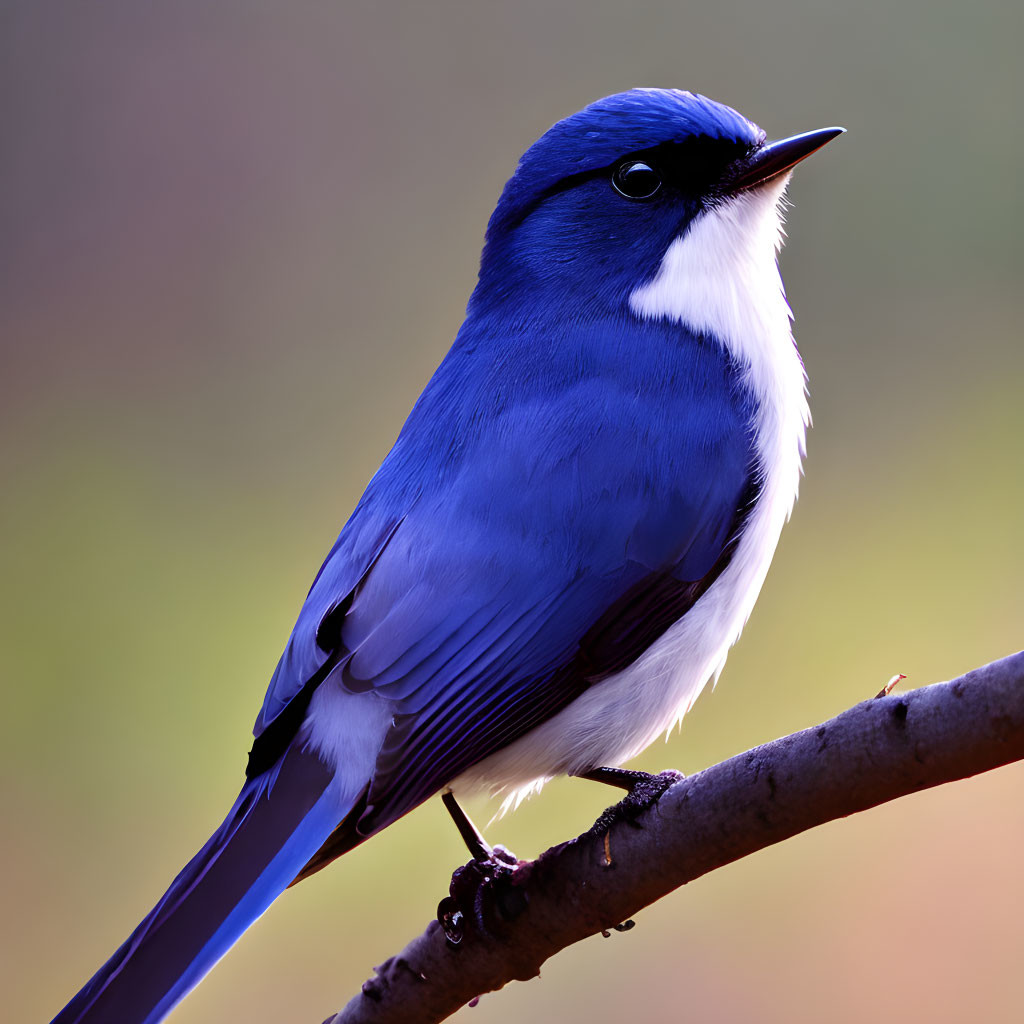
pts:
[277, 824]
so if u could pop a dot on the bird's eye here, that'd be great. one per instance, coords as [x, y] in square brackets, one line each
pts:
[636, 180]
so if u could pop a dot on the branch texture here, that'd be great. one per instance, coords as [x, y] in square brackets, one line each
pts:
[879, 750]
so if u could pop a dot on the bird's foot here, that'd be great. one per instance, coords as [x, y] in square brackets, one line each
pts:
[484, 892]
[643, 788]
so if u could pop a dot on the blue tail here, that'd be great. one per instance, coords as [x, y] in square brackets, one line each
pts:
[278, 823]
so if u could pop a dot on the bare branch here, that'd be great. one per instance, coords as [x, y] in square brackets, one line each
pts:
[881, 749]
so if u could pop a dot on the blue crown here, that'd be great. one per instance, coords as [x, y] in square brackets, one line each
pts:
[611, 128]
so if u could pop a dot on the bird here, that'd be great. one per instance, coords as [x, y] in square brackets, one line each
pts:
[565, 540]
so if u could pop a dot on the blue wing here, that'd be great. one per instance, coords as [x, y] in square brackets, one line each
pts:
[540, 521]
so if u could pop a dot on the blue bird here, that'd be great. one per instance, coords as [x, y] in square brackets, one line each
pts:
[566, 538]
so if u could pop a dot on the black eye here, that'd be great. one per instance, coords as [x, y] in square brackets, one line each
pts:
[636, 180]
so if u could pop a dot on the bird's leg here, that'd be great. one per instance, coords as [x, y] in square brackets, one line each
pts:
[478, 848]
[482, 886]
[642, 790]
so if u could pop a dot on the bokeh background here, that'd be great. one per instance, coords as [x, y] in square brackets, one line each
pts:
[235, 239]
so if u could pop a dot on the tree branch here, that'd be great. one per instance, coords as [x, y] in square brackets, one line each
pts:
[879, 750]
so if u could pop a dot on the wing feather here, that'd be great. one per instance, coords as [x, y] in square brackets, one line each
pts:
[514, 550]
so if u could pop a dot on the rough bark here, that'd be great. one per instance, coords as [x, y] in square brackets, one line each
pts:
[881, 749]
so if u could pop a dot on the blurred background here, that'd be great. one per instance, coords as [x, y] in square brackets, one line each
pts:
[235, 240]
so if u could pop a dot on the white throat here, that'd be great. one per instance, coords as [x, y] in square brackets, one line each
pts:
[722, 277]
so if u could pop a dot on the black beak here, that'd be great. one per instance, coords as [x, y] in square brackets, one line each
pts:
[775, 158]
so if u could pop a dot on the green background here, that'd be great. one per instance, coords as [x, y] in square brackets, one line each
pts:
[235, 239]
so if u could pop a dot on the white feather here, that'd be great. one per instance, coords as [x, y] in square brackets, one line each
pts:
[720, 277]
[347, 729]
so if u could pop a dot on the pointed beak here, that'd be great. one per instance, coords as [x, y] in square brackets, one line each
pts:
[775, 158]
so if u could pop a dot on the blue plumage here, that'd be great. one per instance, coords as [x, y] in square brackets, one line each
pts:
[670, 414]
[277, 823]
[608, 130]
[501, 594]
[514, 588]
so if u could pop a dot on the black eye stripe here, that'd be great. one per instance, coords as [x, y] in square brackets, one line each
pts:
[691, 167]
[696, 166]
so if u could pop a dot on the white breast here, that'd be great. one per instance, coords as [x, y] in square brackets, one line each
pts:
[721, 277]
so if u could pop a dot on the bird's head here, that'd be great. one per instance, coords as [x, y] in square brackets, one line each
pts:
[595, 204]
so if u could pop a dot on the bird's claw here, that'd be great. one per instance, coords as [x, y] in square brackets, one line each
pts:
[482, 891]
[646, 791]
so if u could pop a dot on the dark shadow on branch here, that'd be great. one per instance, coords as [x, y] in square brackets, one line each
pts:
[879, 750]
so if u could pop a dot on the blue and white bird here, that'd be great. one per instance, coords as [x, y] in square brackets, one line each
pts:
[566, 538]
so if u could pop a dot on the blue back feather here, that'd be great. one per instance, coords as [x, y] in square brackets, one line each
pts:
[544, 476]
